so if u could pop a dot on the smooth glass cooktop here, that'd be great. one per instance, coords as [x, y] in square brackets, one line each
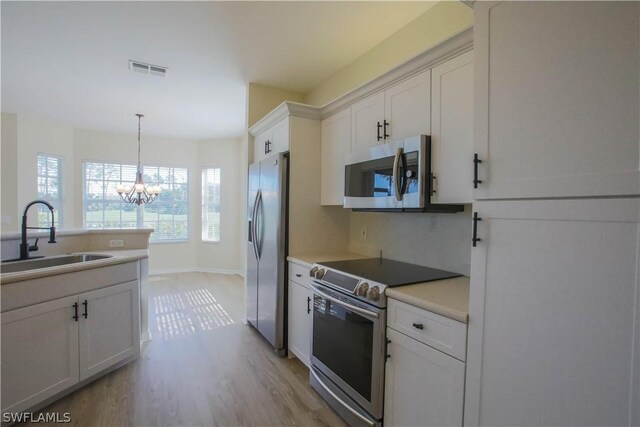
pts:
[389, 272]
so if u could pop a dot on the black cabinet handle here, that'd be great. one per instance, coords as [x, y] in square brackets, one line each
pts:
[86, 307]
[418, 326]
[386, 123]
[265, 147]
[476, 162]
[386, 349]
[298, 275]
[268, 146]
[308, 305]
[75, 311]
[378, 133]
[475, 239]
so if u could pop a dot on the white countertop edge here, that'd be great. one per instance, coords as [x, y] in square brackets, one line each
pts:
[429, 306]
[118, 257]
[77, 232]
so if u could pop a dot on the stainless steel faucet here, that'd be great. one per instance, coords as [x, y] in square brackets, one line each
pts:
[25, 248]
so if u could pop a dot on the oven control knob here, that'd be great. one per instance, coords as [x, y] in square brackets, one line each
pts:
[362, 289]
[374, 293]
[320, 274]
[313, 272]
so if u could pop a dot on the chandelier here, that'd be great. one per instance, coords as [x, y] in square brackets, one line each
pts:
[138, 193]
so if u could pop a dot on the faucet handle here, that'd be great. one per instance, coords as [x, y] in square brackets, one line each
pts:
[34, 247]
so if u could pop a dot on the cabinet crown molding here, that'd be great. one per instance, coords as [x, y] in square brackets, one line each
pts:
[453, 46]
[287, 108]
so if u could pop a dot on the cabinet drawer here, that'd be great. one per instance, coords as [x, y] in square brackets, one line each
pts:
[441, 333]
[299, 274]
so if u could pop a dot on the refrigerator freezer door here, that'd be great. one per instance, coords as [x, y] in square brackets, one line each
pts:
[271, 237]
[252, 259]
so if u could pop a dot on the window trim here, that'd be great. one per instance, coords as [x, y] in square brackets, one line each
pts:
[139, 209]
[60, 211]
[202, 169]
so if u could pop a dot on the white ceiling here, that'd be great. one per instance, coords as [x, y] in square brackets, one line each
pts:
[69, 60]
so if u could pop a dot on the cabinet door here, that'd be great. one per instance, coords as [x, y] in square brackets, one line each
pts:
[336, 144]
[260, 145]
[423, 387]
[365, 117]
[557, 98]
[551, 333]
[452, 130]
[109, 327]
[280, 138]
[408, 107]
[39, 353]
[300, 299]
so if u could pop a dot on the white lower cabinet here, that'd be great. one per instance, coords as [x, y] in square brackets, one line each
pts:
[109, 328]
[300, 317]
[39, 353]
[423, 386]
[49, 347]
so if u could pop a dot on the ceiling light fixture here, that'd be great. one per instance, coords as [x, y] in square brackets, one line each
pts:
[138, 193]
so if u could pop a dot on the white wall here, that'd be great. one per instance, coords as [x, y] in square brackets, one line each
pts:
[434, 240]
[23, 137]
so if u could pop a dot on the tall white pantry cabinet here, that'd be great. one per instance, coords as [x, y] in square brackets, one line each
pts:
[554, 325]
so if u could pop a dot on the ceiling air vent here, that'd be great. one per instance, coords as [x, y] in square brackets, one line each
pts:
[144, 68]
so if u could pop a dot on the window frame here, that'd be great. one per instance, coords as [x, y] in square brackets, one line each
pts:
[59, 211]
[139, 209]
[202, 203]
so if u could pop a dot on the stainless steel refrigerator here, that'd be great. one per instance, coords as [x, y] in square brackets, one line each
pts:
[267, 248]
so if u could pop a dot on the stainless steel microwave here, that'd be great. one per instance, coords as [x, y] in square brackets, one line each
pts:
[395, 176]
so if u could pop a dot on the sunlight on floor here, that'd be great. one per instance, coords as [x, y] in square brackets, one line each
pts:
[187, 313]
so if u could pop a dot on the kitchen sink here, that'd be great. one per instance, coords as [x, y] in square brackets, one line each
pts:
[34, 264]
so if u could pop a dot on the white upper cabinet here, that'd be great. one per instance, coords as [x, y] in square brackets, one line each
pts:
[557, 99]
[367, 117]
[271, 141]
[408, 108]
[336, 143]
[401, 111]
[452, 130]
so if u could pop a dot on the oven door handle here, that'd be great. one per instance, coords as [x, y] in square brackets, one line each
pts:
[342, 402]
[354, 308]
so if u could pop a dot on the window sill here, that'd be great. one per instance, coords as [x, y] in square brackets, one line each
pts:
[214, 242]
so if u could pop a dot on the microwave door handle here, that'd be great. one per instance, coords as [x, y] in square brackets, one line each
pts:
[396, 175]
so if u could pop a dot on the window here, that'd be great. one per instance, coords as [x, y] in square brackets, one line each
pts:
[211, 205]
[49, 188]
[167, 215]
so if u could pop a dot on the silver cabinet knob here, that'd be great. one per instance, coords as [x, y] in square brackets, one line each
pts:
[362, 289]
[313, 271]
[374, 293]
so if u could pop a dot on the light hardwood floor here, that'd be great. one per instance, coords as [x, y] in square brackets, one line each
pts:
[202, 367]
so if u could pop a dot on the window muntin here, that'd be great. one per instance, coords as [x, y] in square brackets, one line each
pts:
[211, 205]
[49, 177]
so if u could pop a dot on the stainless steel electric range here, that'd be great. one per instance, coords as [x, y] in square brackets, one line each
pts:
[349, 331]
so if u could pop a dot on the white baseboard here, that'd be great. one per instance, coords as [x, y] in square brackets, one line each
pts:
[197, 270]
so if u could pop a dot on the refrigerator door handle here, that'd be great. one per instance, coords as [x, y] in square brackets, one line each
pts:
[256, 243]
[253, 226]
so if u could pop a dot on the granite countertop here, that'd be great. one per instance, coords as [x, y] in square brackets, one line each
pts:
[448, 297]
[118, 257]
[309, 260]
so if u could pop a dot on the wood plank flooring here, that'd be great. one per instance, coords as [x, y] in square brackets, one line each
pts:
[203, 367]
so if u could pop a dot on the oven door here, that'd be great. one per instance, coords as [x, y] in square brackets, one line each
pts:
[348, 347]
[387, 176]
